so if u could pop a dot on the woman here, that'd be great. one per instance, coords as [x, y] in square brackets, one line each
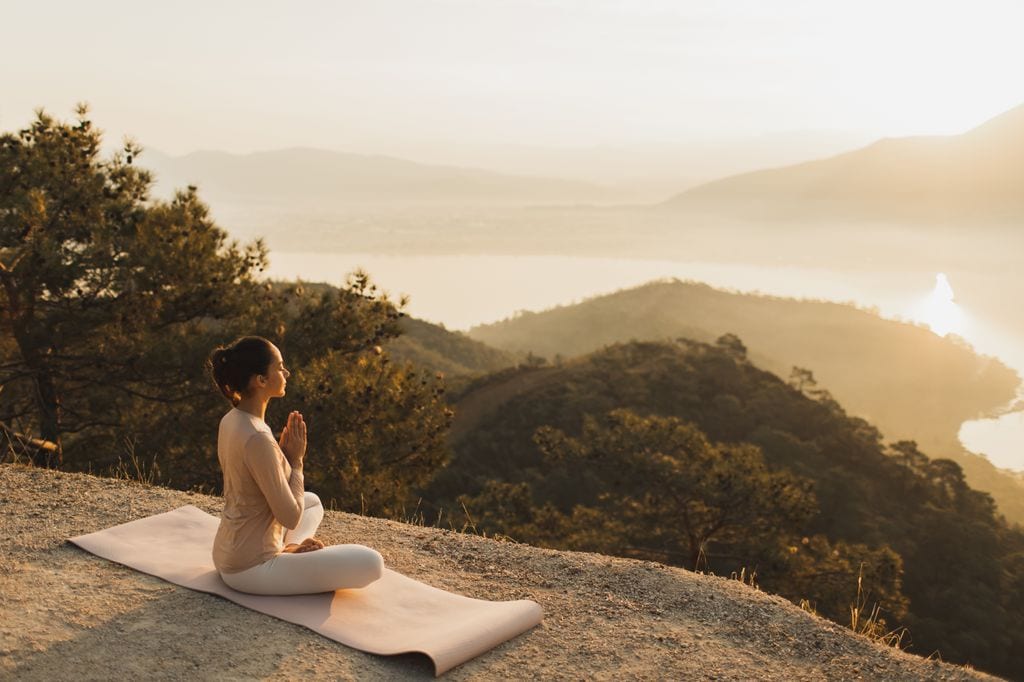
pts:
[265, 543]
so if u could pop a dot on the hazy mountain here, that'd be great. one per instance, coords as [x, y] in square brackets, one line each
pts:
[903, 378]
[641, 171]
[321, 179]
[444, 171]
[977, 175]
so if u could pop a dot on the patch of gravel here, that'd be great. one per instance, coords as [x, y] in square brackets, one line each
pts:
[66, 612]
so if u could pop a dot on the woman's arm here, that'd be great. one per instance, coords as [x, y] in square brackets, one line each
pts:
[266, 463]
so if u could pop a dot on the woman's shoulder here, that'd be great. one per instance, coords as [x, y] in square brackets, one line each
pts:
[244, 423]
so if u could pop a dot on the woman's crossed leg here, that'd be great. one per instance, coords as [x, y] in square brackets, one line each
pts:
[333, 567]
[312, 515]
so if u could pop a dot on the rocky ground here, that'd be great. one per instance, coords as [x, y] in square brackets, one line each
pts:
[67, 613]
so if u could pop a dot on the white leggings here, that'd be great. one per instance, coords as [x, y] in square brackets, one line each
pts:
[332, 568]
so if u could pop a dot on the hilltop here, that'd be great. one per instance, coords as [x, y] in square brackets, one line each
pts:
[65, 609]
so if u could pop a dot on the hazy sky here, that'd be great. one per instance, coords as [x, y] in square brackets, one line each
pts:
[397, 74]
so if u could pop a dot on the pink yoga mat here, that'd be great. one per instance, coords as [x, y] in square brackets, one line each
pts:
[393, 615]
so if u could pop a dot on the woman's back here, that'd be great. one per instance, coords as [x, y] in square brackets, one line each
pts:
[257, 482]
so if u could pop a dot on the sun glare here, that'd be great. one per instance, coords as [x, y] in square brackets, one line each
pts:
[939, 309]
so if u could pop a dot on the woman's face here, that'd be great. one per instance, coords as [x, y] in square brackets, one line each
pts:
[276, 375]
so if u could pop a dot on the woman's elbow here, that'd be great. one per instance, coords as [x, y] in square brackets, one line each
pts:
[293, 518]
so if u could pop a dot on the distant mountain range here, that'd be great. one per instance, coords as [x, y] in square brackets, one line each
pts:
[321, 179]
[975, 176]
[641, 172]
[475, 174]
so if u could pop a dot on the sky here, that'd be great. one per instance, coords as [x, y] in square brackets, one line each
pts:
[393, 75]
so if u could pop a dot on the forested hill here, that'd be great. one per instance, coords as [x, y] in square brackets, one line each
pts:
[688, 453]
[429, 345]
[902, 378]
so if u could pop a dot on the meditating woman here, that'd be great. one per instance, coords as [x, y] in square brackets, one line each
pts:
[265, 543]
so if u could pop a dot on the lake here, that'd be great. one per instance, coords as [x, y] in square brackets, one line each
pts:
[460, 291]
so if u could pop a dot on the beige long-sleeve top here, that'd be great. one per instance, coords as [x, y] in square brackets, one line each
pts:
[263, 493]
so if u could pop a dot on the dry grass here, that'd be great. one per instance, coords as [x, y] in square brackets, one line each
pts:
[870, 623]
[748, 578]
[135, 469]
[866, 621]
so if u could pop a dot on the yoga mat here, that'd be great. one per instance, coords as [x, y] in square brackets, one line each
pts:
[392, 615]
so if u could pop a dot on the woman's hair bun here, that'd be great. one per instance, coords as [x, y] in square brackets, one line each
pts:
[232, 366]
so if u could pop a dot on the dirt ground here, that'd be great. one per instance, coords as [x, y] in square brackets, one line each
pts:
[67, 613]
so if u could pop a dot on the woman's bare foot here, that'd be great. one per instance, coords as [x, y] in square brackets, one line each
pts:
[307, 545]
[310, 545]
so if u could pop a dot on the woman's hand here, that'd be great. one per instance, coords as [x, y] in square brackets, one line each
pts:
[307, 545]
[293, 439]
